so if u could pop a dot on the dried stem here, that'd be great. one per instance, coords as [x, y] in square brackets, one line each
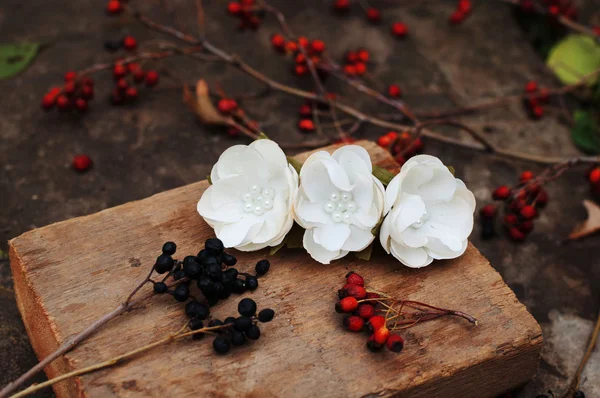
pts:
[117, 359]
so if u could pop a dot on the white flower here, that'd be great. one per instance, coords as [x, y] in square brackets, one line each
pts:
[249, 203]
[338, 203]
[431, 213]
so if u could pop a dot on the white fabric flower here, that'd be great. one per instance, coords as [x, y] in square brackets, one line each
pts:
[430, 213]
[249, 203]
[338, 203]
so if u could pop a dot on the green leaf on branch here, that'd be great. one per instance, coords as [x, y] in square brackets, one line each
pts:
[575, 57]
[15, 57]
[365, 254]
[383, 175]
[585, 133]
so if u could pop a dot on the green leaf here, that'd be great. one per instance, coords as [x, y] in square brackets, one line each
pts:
[574, 57]
[365, 254]
[451, 170]
[585, 132]
[262, 136]
[295, 164]
[382, 175]
[209, 179]
[15, 57]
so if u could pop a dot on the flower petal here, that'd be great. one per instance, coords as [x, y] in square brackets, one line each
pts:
[439, 251]
[440, 188]
[332, 236]
[240, 160]
[227, 212]
[408, 211]
[228, 190]
[315, 180]
[411, 257]
[233, 234]
[272, 154]
[358, 240]
[309, 214]
[456, 216]
[357, 150]
[318, 252]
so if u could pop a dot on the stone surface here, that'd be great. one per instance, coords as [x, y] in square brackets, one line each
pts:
[156, 144]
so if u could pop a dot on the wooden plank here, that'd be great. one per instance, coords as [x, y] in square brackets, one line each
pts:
[68, 274]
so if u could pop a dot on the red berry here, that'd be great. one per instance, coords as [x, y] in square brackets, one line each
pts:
[542, 199]
[356, 291]
[527, 6]
[376, 322]
[464, 6]
[363, 55]
[360, 68]
[372, 345]
[114, 7]
[537, 112]
[291, 46]
[381, 335]
[526, 226]
[303, 42]
[87, 92]
[139, 75]
[81, 163]
[305, 110]
[300, 70]
[70, 76]
[510, 219]
[62, 102]
[351, 57]
[594, 175]
[365, 311]
[554, 10]
[489, 211]
[399, 29]
[130, 43]
[119, 71]
[151, 78]
[516, 235]
[417, 145]
[341, 5]
[395, 343]
[501, 193]
[300, 59]
[531, 87]
[528, 212]
[525, 176]
[131, 93]
[384, 141]
[353, 278]
[278, 42]
[48, 101]
[372, 295]
[234, 8]
[55, 91]
[394, 91]
[122, 84]
[318, 46]
[544, 95]
[81, 105]
[350, 70]
[373, 15]
[392, 135]
[226, 105]
[457, 17]
[306, 125]
[354, 323]
[347, 304]
[69, 88]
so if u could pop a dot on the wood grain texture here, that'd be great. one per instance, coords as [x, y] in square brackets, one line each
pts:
[70, 273]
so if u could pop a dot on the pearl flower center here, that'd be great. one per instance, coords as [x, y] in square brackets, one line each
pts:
[419, 223]
[341, 207]
[258, 200]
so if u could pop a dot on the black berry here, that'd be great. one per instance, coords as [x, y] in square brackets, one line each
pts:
[191, 267]
[207, 287]
[182, 292]
[228, 259]
[214, 246]
[262, 267]
[238, 338]
[233, 272]
[238, 286]
[223, 291]
[169, 248]
[178, 274]
[251, 283]
[266, 315]
[221, 345]
[160, 287]
[579, 394]
[213, 271]
[164, 263]
[195, 309]
[196, 324]
[229, 320]
[247, 307]
[253, 333]
[242, 323]
[215, 322]
[202, 256]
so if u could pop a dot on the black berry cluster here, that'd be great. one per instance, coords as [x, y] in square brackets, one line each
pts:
[211, 270]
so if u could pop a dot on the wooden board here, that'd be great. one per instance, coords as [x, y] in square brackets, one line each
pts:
[68, 274]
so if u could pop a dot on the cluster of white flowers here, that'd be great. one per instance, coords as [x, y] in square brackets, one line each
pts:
[425, 213]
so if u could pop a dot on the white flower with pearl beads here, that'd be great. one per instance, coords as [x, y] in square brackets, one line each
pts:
[249, 203]
[430, 213]
[339, 202]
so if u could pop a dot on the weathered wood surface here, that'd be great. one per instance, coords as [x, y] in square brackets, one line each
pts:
[68, 274]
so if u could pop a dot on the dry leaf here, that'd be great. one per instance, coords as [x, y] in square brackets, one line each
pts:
[589, 226]
[201, 104]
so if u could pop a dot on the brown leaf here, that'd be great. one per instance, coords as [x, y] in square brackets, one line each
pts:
[589, 226]
[202, 106]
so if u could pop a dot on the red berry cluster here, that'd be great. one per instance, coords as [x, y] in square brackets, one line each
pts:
[593, 177]
[74, 94]
[402, 146]
[533, 104]
[521, 206]
[313, 48]
[365, 313]
[564, 8]
[244, 10]
[462, 11]
[126, 76]
[356, 62]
